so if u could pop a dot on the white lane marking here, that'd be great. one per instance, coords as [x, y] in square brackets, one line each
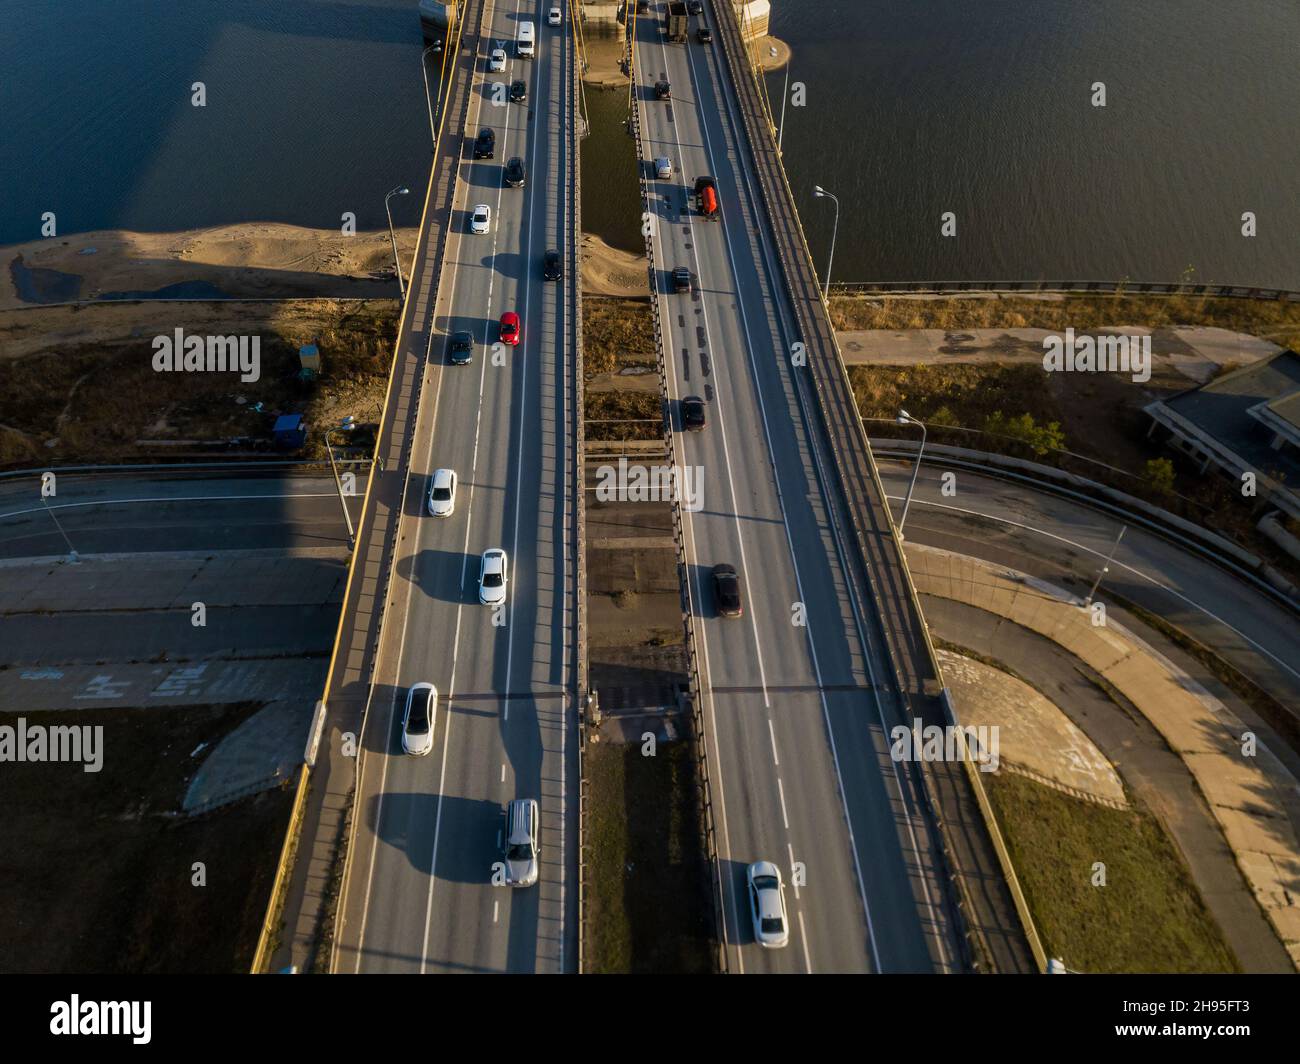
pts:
[785, 819]
[793, 882]
[503, 772]
[771, 734]
[1116, 562]
[496, 908]
[803, 939]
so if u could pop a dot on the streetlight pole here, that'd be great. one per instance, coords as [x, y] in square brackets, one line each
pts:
[1105, 568]
[397, 263]
[904, 418]
[785, 95]
[819, 191]
[428, 98]
[338, 484]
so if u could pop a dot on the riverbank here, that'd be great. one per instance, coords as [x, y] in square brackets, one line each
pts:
[250, 260]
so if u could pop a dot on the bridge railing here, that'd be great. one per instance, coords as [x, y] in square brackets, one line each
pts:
[1118, 288]
[695, 682]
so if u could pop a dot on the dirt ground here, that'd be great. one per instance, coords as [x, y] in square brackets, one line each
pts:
[607, 271]
[250, 260]
[98, 867]
[78, 382]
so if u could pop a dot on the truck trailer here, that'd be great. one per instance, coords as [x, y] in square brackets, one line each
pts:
[675, 19]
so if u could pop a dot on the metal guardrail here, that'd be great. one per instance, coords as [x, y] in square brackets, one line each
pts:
[1119, 288]
[577, 130]
[907, 641]
[694, 680]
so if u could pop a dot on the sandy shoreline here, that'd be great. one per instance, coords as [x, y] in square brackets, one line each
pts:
[249, 260]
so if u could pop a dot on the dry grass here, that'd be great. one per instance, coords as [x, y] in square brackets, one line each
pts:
[96, 398]
[1269, 319]
[641, 413]
[616, 332]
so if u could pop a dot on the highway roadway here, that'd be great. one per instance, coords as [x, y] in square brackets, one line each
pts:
[418, 895]
[796, 693]
[1047, 535]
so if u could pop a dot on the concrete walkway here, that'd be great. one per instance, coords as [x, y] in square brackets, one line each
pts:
[1250, 797]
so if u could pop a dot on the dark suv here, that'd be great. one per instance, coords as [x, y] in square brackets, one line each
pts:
[515, 173]
[662, 90]
[705, 35]
[695, 7]
[485, 145]
[552, 268]
[518, 91]
[726, 591]
[460, 352]
[681, 279]
[693, 413]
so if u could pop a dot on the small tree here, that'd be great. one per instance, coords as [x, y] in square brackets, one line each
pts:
[1160, 475]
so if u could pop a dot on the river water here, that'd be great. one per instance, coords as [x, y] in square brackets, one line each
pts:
[913, 108]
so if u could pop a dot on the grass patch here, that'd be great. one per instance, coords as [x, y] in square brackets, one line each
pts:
[649, 904]
[1148, 918]
[1271, 319]
[616, 333]
[640, 414]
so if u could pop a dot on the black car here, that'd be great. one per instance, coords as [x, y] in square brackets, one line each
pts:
[695, 7]
[485, 145]
[642, 6]
[726, 591]
[662, 90]
[460, 352]
[519, 91]
[693, 413]
[681, 279]
[515, 175]
[705, 35]
[552, 269]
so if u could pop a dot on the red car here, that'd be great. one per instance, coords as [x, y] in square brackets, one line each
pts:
[510, 328]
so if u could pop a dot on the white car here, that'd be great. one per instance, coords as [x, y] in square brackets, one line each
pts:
[481, 219]
[417, 721]
[442, 493]
[554, 16]
[767, 905]
[492, 577]
[497, 60]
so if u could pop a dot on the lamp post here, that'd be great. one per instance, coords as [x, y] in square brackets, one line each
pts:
[785, 95]
[397, 263]
[1105, 568]
[338, 484]
[428, 99]
[904, 418]
[819, 191]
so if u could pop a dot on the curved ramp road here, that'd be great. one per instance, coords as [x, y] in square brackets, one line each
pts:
[797, 692]
[418, 895]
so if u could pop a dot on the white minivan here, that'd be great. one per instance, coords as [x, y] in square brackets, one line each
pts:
[526, 42]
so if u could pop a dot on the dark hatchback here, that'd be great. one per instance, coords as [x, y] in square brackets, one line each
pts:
[552, 267]
[485, 144]
[681, 279]
[515, 175]
[695, 7]
[726, 591]
[662, 90]
[460, 351]
[705, 35]
[518, 91]
[693, 413]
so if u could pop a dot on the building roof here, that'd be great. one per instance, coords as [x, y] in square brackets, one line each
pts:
[1244, 409]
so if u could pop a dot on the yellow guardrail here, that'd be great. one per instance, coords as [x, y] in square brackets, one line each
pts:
[275, 902]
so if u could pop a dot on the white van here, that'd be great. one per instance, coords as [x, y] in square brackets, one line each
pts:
[526, 42]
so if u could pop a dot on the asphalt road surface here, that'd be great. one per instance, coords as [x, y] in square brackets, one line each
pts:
[802, 775]
[419, 895]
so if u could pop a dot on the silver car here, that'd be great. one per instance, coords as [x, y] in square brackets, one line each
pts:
[767, 905]
[663, 168]
[418, 720]
[522, 842]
